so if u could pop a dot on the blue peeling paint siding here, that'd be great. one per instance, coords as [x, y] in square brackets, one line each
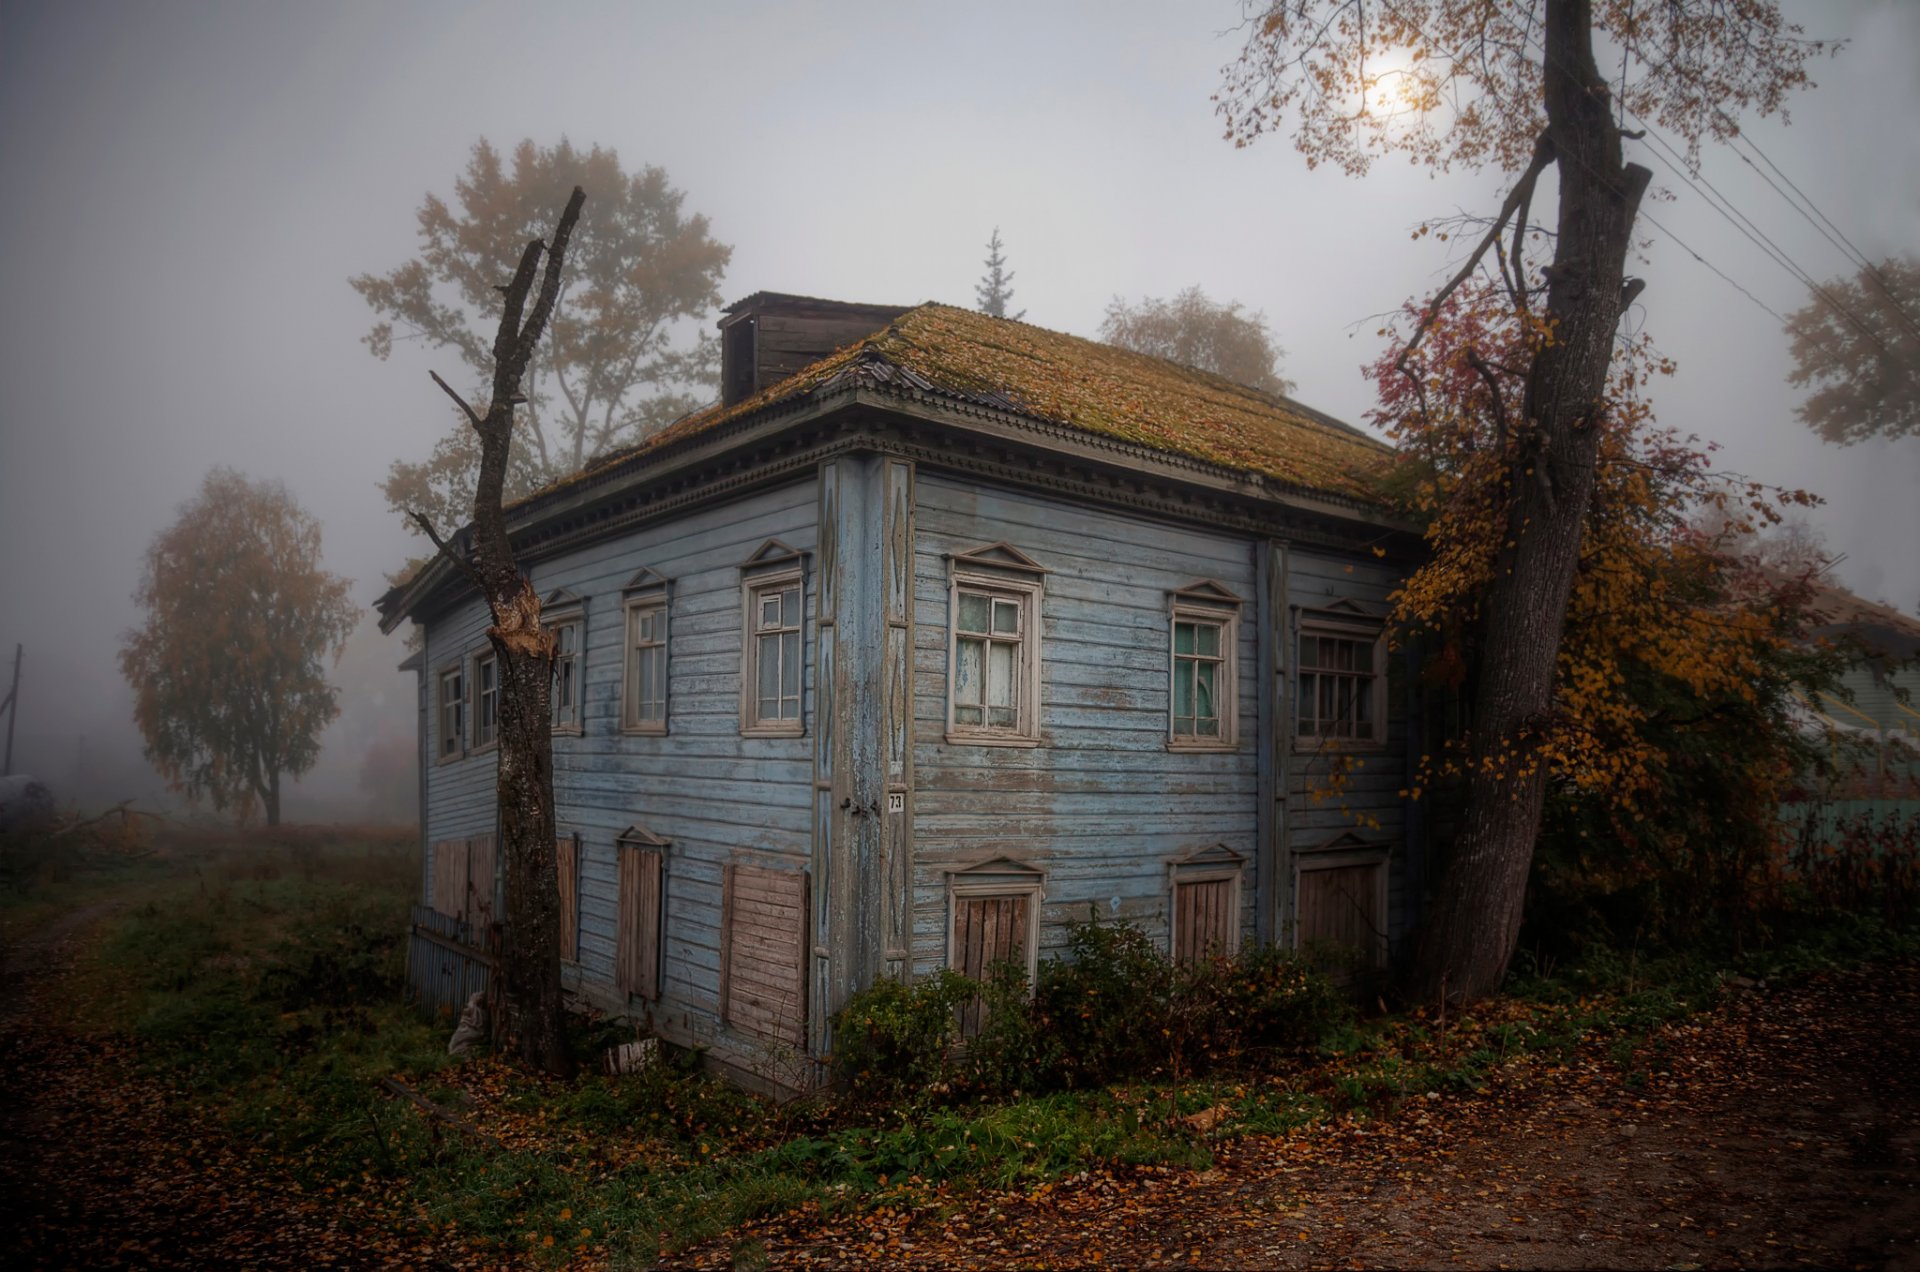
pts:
[1101, 805]
[714, 794]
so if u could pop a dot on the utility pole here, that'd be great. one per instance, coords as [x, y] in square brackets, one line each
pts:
[12, 707]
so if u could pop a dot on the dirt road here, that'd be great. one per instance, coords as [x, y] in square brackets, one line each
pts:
[1780, 1132]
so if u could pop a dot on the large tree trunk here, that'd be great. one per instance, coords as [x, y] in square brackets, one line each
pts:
[1473, 921]
[532, 1021]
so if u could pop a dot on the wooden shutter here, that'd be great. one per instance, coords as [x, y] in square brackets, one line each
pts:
[637, 936]
[1204, 919]
[1340, 906]
[763, 931]
[449, 895]
[566, 865]
[479, 883]
[988, 930]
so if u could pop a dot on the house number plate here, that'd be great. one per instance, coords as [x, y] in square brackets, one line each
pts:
[897, 802]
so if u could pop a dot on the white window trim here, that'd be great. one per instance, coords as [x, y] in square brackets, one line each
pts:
[1378, 857]
[1227, 693]
[574, 616]
[751, 725]
[1026, 732]
[960, 889]
[1316, 625]
[630, 722]
[442, 753]
[484, 656]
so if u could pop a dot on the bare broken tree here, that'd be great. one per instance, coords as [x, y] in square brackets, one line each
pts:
[529, 966]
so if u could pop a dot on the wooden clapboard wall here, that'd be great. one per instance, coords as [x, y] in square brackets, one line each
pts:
[637, 937]
[566, 863]
[763, 943]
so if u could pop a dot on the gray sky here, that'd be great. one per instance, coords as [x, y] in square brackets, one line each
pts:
[185, 188]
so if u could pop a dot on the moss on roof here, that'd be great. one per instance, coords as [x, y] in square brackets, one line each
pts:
[1084, 384]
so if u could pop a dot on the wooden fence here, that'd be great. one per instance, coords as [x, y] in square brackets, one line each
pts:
[444, 963]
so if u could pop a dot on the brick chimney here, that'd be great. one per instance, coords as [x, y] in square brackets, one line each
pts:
[770, 335]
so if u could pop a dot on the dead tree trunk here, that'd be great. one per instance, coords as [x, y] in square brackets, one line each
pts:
[1473, 921]
[529, 964]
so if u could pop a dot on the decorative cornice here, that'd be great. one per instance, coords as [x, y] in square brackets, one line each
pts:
[787, 440]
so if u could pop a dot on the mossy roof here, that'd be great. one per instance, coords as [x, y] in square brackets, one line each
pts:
[1083, 384]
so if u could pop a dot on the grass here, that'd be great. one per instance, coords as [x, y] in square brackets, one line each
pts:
[261, 980]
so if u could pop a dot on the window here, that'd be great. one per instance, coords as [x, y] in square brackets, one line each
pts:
[453, 713]
[774, 669]
[993, 682]
[993, 912]
[645, 693]
[1340, 892]
[462, 880]
[639, 922]
[1342, 683]
[486, 705]
[763, 942]
[1205, 918]
[566, 869]
[1204, 696]
[566, 696]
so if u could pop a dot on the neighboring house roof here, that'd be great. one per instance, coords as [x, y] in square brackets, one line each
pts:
[1083, 384]
[1835, 614]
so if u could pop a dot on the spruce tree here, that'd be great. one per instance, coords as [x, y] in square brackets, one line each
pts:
[995, 288]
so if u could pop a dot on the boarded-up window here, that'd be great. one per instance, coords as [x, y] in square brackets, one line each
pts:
[988, 930]
[1206, 918]
[637, 936]
[463, 880]
[1342, 909]
[763, 929]
[566, 863]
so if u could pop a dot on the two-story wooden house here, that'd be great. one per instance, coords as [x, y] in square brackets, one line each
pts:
[937, 632]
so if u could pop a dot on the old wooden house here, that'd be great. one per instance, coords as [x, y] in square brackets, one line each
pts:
[937, 632]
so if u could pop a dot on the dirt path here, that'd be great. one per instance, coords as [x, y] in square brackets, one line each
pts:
[1781, 1132]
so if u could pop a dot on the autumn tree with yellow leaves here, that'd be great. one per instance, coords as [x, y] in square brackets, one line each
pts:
[1518, 88]
[1678, 650]
[228, 672]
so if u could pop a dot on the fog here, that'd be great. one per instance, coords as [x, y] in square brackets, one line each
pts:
[188, 187]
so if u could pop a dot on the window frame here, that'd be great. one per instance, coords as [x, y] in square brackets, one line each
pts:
[995, 880]
[1024, 584]
[574, 615]
[1206, 602]
[752, 587]
[1213, 864]
[444, 754]
[1346, 851]
[488, 657]
[1335, 626]
[635, 606]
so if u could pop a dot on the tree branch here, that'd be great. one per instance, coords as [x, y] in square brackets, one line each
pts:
[465, 566]
[1522, 192]
[472, 415]
[1492, 382]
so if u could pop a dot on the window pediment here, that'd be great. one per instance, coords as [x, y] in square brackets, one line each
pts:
[647, 581]
[561, 598]
[998, 871]
[1002, 557]
[638, 836]
[1207, 592]
[771, 555]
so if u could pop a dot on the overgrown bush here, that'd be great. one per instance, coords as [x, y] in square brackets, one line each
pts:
[1116, 1009]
